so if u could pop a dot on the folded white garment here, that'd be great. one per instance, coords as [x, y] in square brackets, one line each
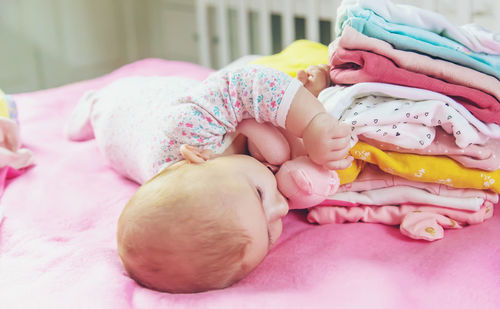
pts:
[398, 195]
[388, 113]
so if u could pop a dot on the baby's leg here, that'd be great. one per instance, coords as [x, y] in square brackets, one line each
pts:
[79, 128]
[128, 119]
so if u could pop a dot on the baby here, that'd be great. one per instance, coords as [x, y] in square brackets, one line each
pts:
[206, 213]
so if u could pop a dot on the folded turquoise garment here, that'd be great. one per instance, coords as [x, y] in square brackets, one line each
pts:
[413, 39]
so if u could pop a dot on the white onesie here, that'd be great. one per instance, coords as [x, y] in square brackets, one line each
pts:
[140, 122]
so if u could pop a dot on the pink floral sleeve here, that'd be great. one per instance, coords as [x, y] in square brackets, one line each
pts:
[213, 109]
[255, 91]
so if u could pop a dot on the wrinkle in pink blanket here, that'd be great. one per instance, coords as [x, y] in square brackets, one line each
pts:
[7, 173]
[356, 66]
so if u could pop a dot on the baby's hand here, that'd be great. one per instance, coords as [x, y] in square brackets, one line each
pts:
[315, 78]
[328, 142]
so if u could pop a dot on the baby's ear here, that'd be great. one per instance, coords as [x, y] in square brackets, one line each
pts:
[195, 155]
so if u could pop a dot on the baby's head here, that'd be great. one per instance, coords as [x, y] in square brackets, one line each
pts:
[201, 226]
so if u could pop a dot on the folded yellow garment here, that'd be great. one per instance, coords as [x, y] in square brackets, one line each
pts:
[4, 107]
[297, 56]
[351, 173]
[435, 169]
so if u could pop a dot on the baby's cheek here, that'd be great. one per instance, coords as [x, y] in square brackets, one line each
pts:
[275, 230]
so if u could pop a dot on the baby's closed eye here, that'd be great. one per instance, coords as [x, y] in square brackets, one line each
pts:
[260, 193]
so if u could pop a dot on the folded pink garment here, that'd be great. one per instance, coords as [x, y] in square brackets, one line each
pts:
[355, 66]
[419, 63]
[483, 157]
[11, 153]
[418, 222]
[398, 195]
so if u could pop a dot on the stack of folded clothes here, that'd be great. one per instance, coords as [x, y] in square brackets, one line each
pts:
[422, 97]
[14, 159]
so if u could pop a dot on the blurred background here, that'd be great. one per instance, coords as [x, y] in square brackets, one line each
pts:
[48, 43]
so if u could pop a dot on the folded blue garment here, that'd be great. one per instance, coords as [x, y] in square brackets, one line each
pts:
[414, 39]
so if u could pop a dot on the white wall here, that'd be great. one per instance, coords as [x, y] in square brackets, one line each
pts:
[47, 43]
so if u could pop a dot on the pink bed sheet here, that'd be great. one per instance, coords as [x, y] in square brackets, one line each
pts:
[57, 240]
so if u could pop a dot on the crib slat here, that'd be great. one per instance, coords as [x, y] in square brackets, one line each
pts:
[265, 28]
[244, 35]
[494, 26]
[328, 12]
[428, 5]
[333, 17]
[312, 26]
[465, 12]
[288, 23]
[203, 46]
[223, 33]
[131, 46]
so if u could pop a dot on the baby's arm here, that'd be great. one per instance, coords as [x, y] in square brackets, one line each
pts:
[326, 140]
[268, 95]
[265, 142]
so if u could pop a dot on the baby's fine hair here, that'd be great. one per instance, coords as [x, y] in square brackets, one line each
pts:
[172, 239]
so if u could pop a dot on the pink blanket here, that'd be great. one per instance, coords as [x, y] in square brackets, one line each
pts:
[57, 240]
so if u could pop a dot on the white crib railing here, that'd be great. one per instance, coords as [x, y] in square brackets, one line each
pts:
[218, 49]
[312, 10]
